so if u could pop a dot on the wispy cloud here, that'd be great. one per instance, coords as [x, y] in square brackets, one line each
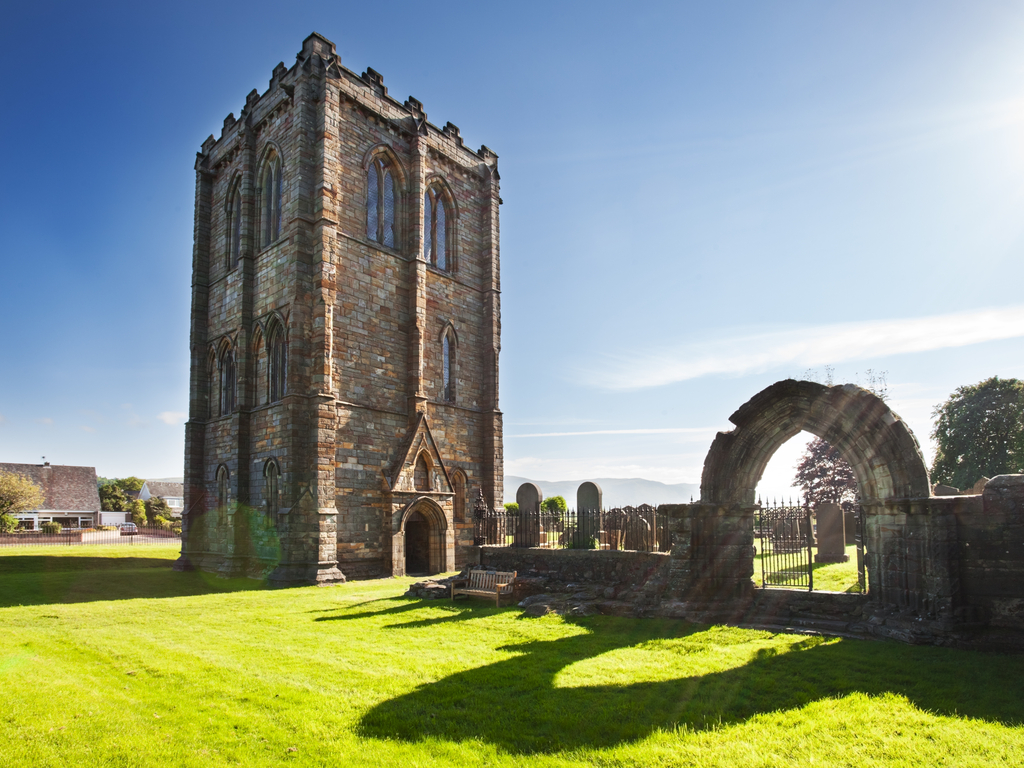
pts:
[45, 420]
[695, 431]
[84, 428]
[809, 347]
[172, 417]
[2, 419]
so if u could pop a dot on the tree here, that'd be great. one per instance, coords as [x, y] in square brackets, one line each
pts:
[826, 477]
[112, 498]
[138, 510]
[157, 507]
[114, 492]
[979, 432]
[17, 494]
[554, 504]
[130, 483]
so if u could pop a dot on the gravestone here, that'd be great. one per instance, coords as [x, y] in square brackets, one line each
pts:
[831, 534]
[528, 531]
[588, 496]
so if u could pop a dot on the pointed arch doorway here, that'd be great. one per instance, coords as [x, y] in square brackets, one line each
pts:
[417, 545]
[424, 544]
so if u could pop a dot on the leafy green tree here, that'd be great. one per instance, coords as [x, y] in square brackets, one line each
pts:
[554, 504]
[112, 498]
[138, 510]
[17, 494]
[130, 483]
[512, 507]
[157, 507]
[979, 432]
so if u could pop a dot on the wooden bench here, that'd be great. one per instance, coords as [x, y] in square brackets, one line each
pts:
[496, 584]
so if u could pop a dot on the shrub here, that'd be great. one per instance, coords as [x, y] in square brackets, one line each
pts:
[162, 523]
[8, 524]
[512, 507]
[51, 528]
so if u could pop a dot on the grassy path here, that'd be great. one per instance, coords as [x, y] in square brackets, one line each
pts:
[113, 659]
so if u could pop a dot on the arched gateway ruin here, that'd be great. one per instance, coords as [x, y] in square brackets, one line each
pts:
[882, 450]
[946, 570]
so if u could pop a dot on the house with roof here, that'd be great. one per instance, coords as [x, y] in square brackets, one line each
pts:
[70, 495]
[171, 492]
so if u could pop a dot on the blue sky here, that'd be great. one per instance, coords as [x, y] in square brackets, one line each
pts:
[700, 199]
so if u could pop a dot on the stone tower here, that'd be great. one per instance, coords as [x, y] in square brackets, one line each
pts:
[344, 336]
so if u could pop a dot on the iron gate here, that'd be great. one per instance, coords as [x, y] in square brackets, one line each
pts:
[858, 537]
[787, 559]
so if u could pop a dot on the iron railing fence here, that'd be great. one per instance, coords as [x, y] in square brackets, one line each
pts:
[90, 536]
[786, 539]
[640, 529]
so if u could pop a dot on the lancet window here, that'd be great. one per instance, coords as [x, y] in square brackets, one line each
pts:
[435, 228]
[380, 202]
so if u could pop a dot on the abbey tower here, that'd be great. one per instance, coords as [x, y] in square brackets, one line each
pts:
[345, 334]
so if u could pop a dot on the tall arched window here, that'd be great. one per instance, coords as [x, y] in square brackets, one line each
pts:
[234, 225]
[222, 487]
[277, 363]
[435, 228]
[459, 487]
[448, 367]
[380, 203]
[421, 474]
[271, 185]
[271, 488]
[212, 398]
[228, 379]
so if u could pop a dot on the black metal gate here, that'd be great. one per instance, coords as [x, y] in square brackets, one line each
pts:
[858, 537]
[786, 541]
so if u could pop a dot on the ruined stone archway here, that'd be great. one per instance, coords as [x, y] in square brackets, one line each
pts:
[882, 450]
[423, 526]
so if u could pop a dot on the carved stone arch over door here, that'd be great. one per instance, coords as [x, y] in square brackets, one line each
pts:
[423, 542]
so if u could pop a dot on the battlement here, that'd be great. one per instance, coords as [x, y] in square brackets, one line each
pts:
[319, 57]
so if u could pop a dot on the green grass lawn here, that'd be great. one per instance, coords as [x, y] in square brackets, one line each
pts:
[109, 658]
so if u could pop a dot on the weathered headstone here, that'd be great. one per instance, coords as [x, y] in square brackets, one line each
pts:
[527, 533]
[589, 499]
[588, 496]
[979, 487]
[831, 534]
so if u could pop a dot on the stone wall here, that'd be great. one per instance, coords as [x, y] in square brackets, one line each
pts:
[576, 566]
[990, 550]
[941, 570]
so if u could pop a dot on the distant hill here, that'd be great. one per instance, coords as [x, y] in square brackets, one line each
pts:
[617, 491]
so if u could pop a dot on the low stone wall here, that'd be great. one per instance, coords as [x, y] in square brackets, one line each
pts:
[575, 565]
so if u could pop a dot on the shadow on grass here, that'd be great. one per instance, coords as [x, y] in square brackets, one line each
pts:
[516, 705]
[457, 611]
[45, 580]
